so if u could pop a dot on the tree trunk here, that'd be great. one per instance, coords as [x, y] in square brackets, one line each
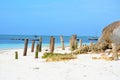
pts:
[114, 50]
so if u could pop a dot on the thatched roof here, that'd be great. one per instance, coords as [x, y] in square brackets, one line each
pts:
[108, 31]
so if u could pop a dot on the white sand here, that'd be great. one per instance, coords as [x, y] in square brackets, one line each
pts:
[29, 68]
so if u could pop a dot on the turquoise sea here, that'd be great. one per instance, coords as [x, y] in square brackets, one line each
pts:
[16, 41]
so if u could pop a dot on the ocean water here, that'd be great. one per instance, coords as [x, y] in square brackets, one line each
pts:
[10, 42]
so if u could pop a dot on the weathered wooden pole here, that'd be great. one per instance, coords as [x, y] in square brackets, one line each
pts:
[33, 44]
[25, 47]
[73, 42]
[80, 43]
[76, 43]
[16, 55]
[36, 53]
[70, 43]
[40, 44]
[75, 36]
[62, 42]
[37, 47]
[50, 41]
[91, 43]
[52, 44]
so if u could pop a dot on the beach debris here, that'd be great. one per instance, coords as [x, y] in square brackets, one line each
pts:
[40, 44]
[52, 44]
[111, 35]
[83, 49]
[94, 48]
[33, 44]
[25, 47]
[104, 57]
[62, 42]
[107, 55]
[58, 57]
[16, 55]
[46, 49]
[95, 58]
[36, 68]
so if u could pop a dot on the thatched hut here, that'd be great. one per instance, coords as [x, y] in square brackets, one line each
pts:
[111, 35]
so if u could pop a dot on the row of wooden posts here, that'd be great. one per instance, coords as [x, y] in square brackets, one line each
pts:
[73, 44]
[38, 46]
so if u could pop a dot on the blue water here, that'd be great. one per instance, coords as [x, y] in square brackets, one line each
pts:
[6, 41]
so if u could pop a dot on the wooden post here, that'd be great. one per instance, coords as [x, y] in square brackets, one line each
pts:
[52, 44]
[36, 53]
[37, 47]
[76, 44]
[75, 36]
[25, 47]
[80, 43]
[50, 41]
[62, 42]
[16, 55]
[40, 44]
[33, 44]
[91, 43]
[70, 43]
[73, 42]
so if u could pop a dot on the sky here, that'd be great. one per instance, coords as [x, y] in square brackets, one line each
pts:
[57, 17]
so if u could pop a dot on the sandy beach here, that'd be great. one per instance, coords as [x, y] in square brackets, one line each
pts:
[82, 68]
[89, 30]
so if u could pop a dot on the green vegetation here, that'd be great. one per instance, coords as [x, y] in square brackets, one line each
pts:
[58, 56]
